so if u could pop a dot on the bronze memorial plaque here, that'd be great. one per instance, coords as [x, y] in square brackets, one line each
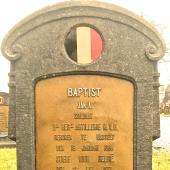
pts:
[84, 122]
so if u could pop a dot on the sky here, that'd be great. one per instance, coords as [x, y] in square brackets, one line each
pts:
[156, 12]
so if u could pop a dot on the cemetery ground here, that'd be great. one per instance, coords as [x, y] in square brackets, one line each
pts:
[161, 146]
[161, 150]
[7, 159]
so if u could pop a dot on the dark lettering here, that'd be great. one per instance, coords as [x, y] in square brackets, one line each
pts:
[62, 137]
[108, 147]
[59, 168]
[63, 159]
[59, 148]
[104, 137]
[90, 148]
[106, 158]
[83, 159]
[83, 116]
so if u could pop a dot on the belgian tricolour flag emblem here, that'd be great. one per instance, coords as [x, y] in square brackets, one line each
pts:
[84, 45]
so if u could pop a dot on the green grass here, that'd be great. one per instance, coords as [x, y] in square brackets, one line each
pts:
[165, 115]
[161, 159]
[8, 159]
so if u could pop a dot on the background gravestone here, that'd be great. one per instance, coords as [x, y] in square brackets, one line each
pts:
[83, 88]
[3, 114]
[4, 111]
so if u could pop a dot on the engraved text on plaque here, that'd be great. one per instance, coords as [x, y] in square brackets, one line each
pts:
[84, 122]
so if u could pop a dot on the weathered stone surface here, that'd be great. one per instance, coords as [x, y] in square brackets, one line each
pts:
[36, 50]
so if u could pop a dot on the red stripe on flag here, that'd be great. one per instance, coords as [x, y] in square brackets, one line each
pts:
[96, 45]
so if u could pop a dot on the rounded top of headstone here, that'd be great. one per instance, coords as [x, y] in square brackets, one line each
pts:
[68, 9]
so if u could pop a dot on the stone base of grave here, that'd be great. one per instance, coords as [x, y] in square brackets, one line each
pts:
[5, 141]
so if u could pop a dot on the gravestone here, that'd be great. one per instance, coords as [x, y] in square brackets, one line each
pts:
[83, 88]
[3, 114]
[4, 111]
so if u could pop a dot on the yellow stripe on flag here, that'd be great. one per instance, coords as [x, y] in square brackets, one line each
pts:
[83, 45]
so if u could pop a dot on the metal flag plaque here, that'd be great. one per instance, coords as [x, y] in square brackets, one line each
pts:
[84, 45]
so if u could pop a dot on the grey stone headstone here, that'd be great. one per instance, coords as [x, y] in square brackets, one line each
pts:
[36, 50]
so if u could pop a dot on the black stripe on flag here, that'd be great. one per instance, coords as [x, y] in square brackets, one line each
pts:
[71, 45]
